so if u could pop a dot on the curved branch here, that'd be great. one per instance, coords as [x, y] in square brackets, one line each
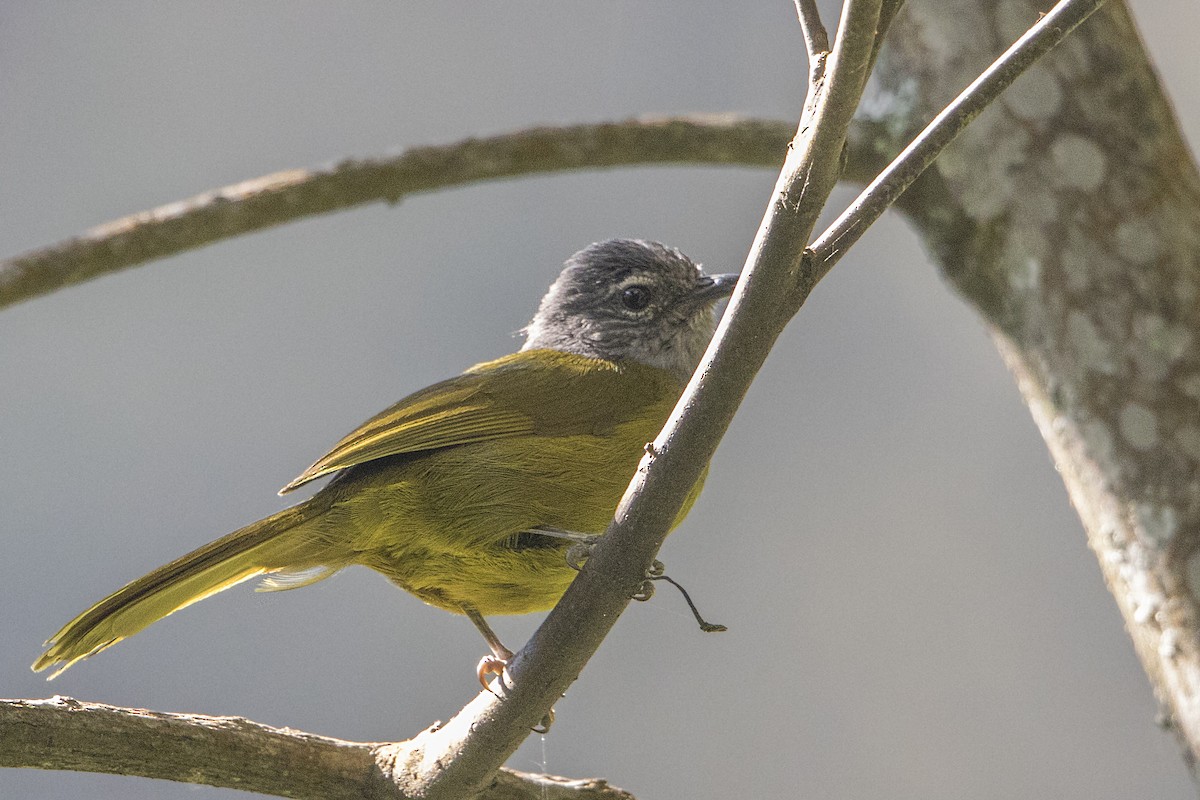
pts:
[293, 194]
[232, 752]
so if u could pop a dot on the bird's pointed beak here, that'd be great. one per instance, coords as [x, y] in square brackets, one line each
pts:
[712, 288]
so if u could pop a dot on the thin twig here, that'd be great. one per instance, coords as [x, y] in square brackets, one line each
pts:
[887, 13]
[816, 39]
[882, 192]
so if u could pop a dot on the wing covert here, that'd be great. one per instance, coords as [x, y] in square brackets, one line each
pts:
[541, 392]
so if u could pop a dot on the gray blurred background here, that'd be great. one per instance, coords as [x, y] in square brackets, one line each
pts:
[913, 610]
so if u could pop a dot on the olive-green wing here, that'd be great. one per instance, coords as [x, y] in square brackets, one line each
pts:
[537, 392]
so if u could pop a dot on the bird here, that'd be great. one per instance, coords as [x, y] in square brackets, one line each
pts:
[470, 492]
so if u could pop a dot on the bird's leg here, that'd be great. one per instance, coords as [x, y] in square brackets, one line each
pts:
[581, 543]
[498, 660]
[496, 663]
[646, 590]
[559, 533]
[581, 546]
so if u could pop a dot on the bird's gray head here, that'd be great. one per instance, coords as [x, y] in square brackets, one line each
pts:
[630, 299]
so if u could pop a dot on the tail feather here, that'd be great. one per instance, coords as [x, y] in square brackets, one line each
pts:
[254, 550]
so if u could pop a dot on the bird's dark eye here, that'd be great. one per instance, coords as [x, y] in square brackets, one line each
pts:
[636, 297]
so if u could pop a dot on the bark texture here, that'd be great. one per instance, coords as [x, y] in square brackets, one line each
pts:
[63, 733]
[1069, 215]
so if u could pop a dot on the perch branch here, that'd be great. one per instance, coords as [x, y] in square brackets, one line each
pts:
[232, 752]
[453, 761]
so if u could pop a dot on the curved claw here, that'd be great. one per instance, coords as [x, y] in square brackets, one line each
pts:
[577, 554]
[644, 592]
[488, 666]
[543, 727]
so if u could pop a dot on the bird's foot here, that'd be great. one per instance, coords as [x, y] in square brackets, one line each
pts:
[646, 590]
[578, 553]
[581, 543]
[498, 660]
[581, 548]
[492, 665]
[543, 727]
[497, 665]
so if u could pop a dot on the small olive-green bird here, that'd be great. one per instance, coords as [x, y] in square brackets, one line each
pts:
[468, 493]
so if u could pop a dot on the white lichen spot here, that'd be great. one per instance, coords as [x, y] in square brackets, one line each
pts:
[1088, 347]
[1168, 645]
[1156, 345]
[983, 168]
[1078, 163]
[1025, 274]
[1157, 524]
[894, 105]
[1143, 594]
[947, 30]
[1138, 242]
[1188, 439]
[1190, 385]
[1193, 575]
[1172, 341]
[1138, 426]
[1035, 96]
[1099, 441]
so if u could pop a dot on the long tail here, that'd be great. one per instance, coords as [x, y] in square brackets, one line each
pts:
[254, 550]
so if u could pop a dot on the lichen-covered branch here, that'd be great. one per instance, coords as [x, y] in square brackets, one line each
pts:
[883, 191]
[1069, 215]
[294, 194]
[62, 733]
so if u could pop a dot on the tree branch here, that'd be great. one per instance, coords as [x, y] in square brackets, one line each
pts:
[293, 194]
[232, 752]
[1069, 217]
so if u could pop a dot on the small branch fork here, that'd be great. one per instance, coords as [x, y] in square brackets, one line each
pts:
[816, 39]
[461, 758]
